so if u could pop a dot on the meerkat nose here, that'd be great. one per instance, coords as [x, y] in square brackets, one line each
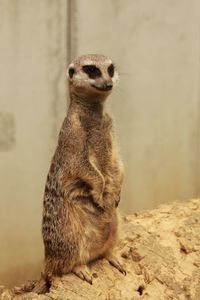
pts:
[108, 85]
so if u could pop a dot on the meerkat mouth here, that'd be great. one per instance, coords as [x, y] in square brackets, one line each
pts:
[105, 88]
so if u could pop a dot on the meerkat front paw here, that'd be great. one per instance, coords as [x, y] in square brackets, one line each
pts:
[117, 200]
[83, 272]
[98, 199]
[111, 200]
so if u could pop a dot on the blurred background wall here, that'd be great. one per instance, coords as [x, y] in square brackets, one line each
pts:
[155, 45]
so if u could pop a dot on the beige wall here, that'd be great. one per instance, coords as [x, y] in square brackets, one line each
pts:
[155, 45]
[32, 104]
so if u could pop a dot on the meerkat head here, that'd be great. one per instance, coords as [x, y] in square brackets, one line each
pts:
[92, 75]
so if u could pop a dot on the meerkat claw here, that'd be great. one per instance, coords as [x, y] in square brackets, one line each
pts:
[98, 200]
[115, 263]
[83, 273]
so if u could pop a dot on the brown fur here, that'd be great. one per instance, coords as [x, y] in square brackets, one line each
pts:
[84, 182]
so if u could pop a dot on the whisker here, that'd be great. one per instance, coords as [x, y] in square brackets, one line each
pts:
[119, 92]
[124, 91]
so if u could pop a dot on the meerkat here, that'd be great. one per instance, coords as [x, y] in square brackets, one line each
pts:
[82, 192]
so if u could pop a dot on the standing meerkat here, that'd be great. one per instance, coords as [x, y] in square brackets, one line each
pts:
[82, 192]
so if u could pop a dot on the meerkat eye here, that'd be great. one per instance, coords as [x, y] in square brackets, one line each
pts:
[92, 71]
[71, 72]
[111, 70]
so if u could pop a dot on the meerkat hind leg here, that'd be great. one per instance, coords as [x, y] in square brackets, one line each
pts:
[83, 272]
[115, 262]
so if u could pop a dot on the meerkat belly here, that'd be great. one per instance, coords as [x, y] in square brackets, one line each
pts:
[97, 231]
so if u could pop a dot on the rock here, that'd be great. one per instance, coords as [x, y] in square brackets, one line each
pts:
[160, 250]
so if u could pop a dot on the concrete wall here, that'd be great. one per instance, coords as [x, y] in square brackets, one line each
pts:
[155, 45]
[32, 105]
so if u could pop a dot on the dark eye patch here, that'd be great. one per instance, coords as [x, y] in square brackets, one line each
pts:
[71, 72]
[111, 70]
[92, 71]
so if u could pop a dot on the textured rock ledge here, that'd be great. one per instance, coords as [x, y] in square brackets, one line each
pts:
[160, 249]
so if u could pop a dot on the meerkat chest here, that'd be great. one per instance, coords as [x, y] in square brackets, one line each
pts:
[100, 148]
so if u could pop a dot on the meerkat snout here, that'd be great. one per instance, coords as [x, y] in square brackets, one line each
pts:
[103, 86]
[92, 73]
[108, 85]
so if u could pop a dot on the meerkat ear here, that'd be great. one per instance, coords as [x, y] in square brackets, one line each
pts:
[71, 72]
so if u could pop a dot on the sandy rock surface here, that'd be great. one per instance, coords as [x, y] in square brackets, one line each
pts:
[160, 250]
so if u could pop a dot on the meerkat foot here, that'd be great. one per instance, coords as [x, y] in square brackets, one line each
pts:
[115, 262]
[83, 272]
